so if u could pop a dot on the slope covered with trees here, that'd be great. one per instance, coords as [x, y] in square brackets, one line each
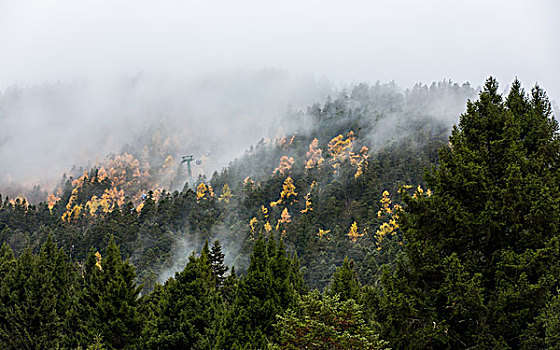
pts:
[462, 256]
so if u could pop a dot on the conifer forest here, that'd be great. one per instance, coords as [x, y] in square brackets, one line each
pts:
[437, 238]
[290, 175]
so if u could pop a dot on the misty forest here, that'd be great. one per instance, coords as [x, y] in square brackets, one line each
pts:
[371, 217]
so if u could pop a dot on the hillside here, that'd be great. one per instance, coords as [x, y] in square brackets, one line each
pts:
[340, 156]
[367, 228]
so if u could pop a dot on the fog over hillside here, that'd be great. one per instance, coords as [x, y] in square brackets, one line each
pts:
[81, 80]
[46, 129]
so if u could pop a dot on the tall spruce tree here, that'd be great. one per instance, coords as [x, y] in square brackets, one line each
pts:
[35, 295]
[266, 291]
[482, 257]
[187, 309]
[216, 258]
[345, 282]
[108, 303]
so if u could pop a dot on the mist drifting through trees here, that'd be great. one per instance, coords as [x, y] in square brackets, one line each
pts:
[312, 175]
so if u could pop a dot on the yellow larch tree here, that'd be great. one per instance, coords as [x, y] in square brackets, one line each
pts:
[353, 232]
[314, 155]
[226, 194]
[204, 192]
[52, 199]
[285, 165]
[288, 191]
[359, 160]
[253, 225]
[285, 217]
[322, 233]
[308, 202]
[339, 149]
[390, 213]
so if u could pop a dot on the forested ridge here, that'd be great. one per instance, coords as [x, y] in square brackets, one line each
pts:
[364, 226]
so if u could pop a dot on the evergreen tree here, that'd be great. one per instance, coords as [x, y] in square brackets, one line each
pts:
[482, 253]
[217, 263]
[325, 322]
[35, 295]
[187, 310]
[345, 282]
[263, 293]
[108, 304]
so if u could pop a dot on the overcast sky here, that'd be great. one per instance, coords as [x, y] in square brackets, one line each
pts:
[343, 41]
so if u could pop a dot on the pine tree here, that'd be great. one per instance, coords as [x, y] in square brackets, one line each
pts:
[35, 295]
[263, 293]
[482, 253]
[345, 282]
[216, 258]
[108, 303]
[325, 322]
[187, 310]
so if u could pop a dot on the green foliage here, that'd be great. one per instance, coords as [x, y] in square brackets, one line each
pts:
[263, 293]
[482, 252]
[345, 282]
[35, 295]
[325, 322]
[108, 303]
[186, 310]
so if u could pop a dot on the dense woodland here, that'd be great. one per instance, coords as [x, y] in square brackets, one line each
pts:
[365, 226]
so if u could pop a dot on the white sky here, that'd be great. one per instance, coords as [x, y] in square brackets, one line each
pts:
[344, 41]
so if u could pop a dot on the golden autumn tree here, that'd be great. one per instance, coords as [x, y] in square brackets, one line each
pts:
[52, 199]
[353, 233]
[226, 194]
[288, 191]
[308, 202]
[285, 165]
[390, 214]
[314, 155]
[204, 192]
[339, 149]
[359, 160]
[323, 233]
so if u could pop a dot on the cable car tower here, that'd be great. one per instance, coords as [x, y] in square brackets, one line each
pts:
[188, 159]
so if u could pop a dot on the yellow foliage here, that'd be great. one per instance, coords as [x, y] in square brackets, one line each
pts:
[322, 232]
[267, 227]
[98, 260]
[72, 214]
[288, 190]
[253, 224]
[168, 162]
[101, 174]
[353, 232]
[420, 192]
[79, 182]
[52, 199]
[226, 194]
[203, 191]
[285, 165]
[285, 217]
[73, 198]
[359, 160]
[314, 155]
[92, 205]
[339, 149]
[391, 213]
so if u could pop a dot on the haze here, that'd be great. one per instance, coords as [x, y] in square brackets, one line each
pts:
[100, 46]
[405, 41]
